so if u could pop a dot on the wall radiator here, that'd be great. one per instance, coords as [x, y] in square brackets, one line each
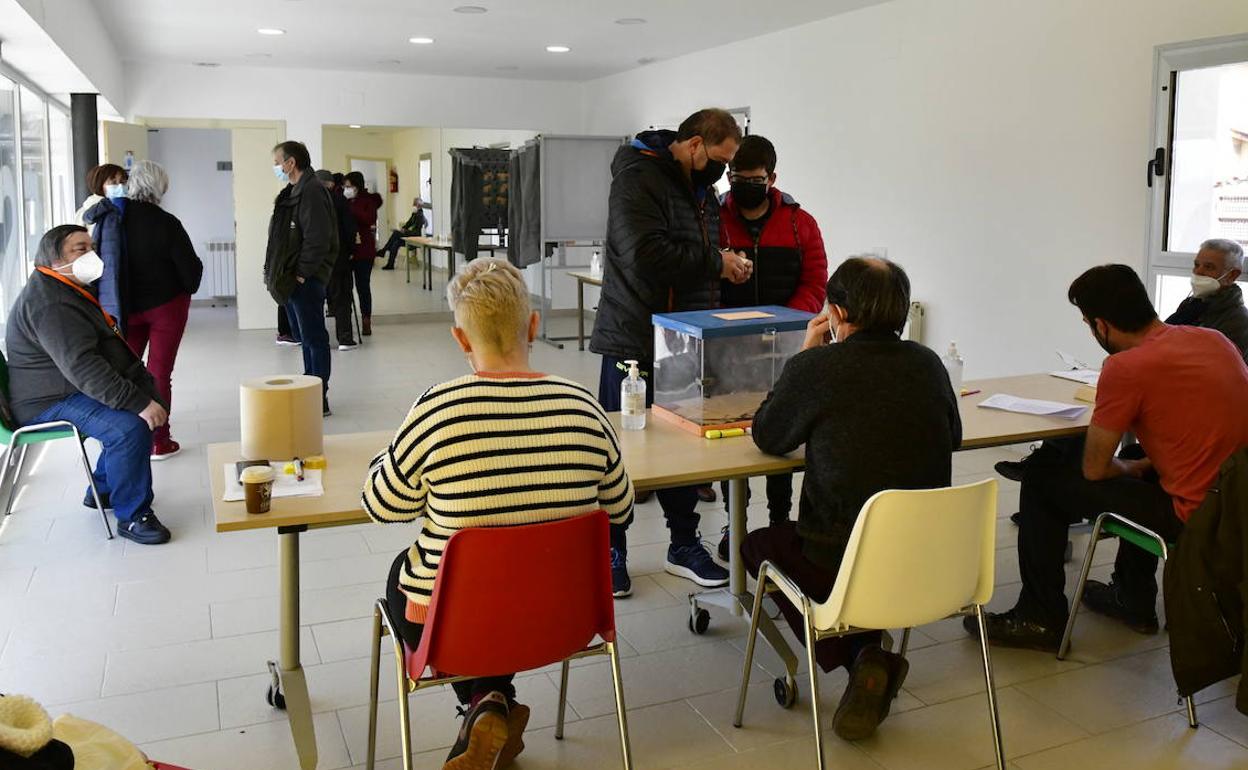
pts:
[219, 270]
[914, 323]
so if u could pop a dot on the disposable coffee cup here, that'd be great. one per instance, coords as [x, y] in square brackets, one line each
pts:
[257, 483]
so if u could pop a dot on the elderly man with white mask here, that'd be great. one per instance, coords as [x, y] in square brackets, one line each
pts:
[1216, 301]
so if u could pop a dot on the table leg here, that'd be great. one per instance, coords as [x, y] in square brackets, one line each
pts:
[580, 315]
[294, 686]
[407, 259]
[427, 271]
[737, 491]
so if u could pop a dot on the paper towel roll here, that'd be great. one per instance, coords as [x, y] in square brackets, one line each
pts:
[280, 417]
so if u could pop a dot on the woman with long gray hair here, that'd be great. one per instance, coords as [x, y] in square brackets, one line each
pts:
[160, 273]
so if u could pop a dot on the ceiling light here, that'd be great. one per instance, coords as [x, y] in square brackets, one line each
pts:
[470, 9]
[420, 40]
[629, 21]
[207, 63]
[271, 31]
[558, 48]
[355, 125]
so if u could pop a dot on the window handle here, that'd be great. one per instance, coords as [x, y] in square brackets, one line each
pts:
[1157, 166]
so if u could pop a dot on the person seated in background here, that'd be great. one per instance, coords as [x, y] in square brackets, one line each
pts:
[68, 361]
[790, 266]
[874, 412]
[1217, 301]
[415, 225]
[1178, 389]
[451, 463]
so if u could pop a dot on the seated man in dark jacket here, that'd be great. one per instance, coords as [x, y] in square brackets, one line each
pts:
[415, 225]
[874, 413]
[1216, 301]
[1178, 389]
[783, 242]
[68, 361]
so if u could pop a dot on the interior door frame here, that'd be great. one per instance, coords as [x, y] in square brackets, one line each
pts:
[1168, 60]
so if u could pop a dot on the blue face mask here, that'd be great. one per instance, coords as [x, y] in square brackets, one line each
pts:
[114, 191]
[280, 173]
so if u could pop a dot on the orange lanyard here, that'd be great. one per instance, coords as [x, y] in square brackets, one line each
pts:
[112, 322]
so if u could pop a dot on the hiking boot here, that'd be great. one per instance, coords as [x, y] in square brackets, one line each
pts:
[481, 737]
[1008, 629]
[163, 449]
[517, 720]
[89, 500]
[144, 529]
[621, 583]
[692, 562]
[1106, 599]
[870, 688]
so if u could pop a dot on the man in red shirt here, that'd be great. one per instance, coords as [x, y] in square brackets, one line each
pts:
[1176, 388]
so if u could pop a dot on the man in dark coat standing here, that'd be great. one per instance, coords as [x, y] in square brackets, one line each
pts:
[340, 284]
[662, 255]
[303, 245]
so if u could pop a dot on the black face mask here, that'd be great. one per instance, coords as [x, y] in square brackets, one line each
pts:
[708, 174]
[749, 195]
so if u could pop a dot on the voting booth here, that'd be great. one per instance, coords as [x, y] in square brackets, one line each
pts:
[713, 368]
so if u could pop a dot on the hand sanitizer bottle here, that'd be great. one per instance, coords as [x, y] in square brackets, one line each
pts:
[633, 399]
[953, 363]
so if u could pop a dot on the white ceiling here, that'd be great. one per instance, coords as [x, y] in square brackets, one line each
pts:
[371, 35]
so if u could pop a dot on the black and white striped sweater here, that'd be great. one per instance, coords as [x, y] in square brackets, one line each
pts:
[494, 451]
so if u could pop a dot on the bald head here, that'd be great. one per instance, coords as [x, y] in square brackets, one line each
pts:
[873, 293]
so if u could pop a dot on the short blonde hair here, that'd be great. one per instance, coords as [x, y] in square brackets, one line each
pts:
[491, 303]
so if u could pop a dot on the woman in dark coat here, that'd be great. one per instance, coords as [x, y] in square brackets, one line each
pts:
[363, 205]
[161, 273]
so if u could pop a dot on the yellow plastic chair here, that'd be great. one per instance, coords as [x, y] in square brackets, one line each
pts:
[914, 557]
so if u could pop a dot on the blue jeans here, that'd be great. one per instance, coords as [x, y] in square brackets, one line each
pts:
[306, 309]
[124, 470]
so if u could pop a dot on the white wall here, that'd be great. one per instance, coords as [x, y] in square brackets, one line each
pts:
[199, 195]
[76, 28]
[308, 99]
[996, 147]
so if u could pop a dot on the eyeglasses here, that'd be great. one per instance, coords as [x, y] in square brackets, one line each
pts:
[746, 179]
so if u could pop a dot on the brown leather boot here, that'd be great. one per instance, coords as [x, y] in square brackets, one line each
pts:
[368, 326]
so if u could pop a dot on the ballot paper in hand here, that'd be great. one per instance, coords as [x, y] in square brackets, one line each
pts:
[1033, 406]
[284, 485]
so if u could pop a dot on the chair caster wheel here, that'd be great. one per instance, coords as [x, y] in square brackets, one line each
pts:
[785, 691]
[275, 698]
[699, 621]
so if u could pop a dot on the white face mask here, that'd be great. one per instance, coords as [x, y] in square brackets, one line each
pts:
[1203, 285]
[348, 192]
[87, 269]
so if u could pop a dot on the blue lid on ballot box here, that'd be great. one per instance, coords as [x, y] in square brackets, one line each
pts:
[734, 321]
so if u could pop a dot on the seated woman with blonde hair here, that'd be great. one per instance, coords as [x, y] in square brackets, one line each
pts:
[503, 446]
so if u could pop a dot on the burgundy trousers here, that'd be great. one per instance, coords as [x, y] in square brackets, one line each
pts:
[158, 331]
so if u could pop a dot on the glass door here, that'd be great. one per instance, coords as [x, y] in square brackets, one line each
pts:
[34, 169]
[12, 265]
[1198, 173]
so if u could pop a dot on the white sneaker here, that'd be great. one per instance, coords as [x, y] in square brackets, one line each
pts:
[351, 346]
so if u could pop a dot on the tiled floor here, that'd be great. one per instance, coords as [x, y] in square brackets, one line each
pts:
[168, 644]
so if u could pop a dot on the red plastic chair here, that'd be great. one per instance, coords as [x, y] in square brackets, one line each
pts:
[507, 600]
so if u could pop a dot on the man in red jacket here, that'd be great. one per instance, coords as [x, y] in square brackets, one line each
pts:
[790, 267]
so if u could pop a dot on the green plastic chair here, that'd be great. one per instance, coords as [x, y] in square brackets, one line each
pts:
[18, 442]
[1113, 525]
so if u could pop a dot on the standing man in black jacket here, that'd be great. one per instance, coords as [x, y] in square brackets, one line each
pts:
[874, 413]
[663, 255]
[303, 244]
[341, 299]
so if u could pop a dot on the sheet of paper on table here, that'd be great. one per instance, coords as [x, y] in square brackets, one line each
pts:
[285, 485]
[743, 315]
[1033, 406]
[1081, 376]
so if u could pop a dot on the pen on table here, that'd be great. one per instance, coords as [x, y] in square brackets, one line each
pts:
[966, 392]
[298, 469]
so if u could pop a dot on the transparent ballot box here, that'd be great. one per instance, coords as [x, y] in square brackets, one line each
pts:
[713, 368]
